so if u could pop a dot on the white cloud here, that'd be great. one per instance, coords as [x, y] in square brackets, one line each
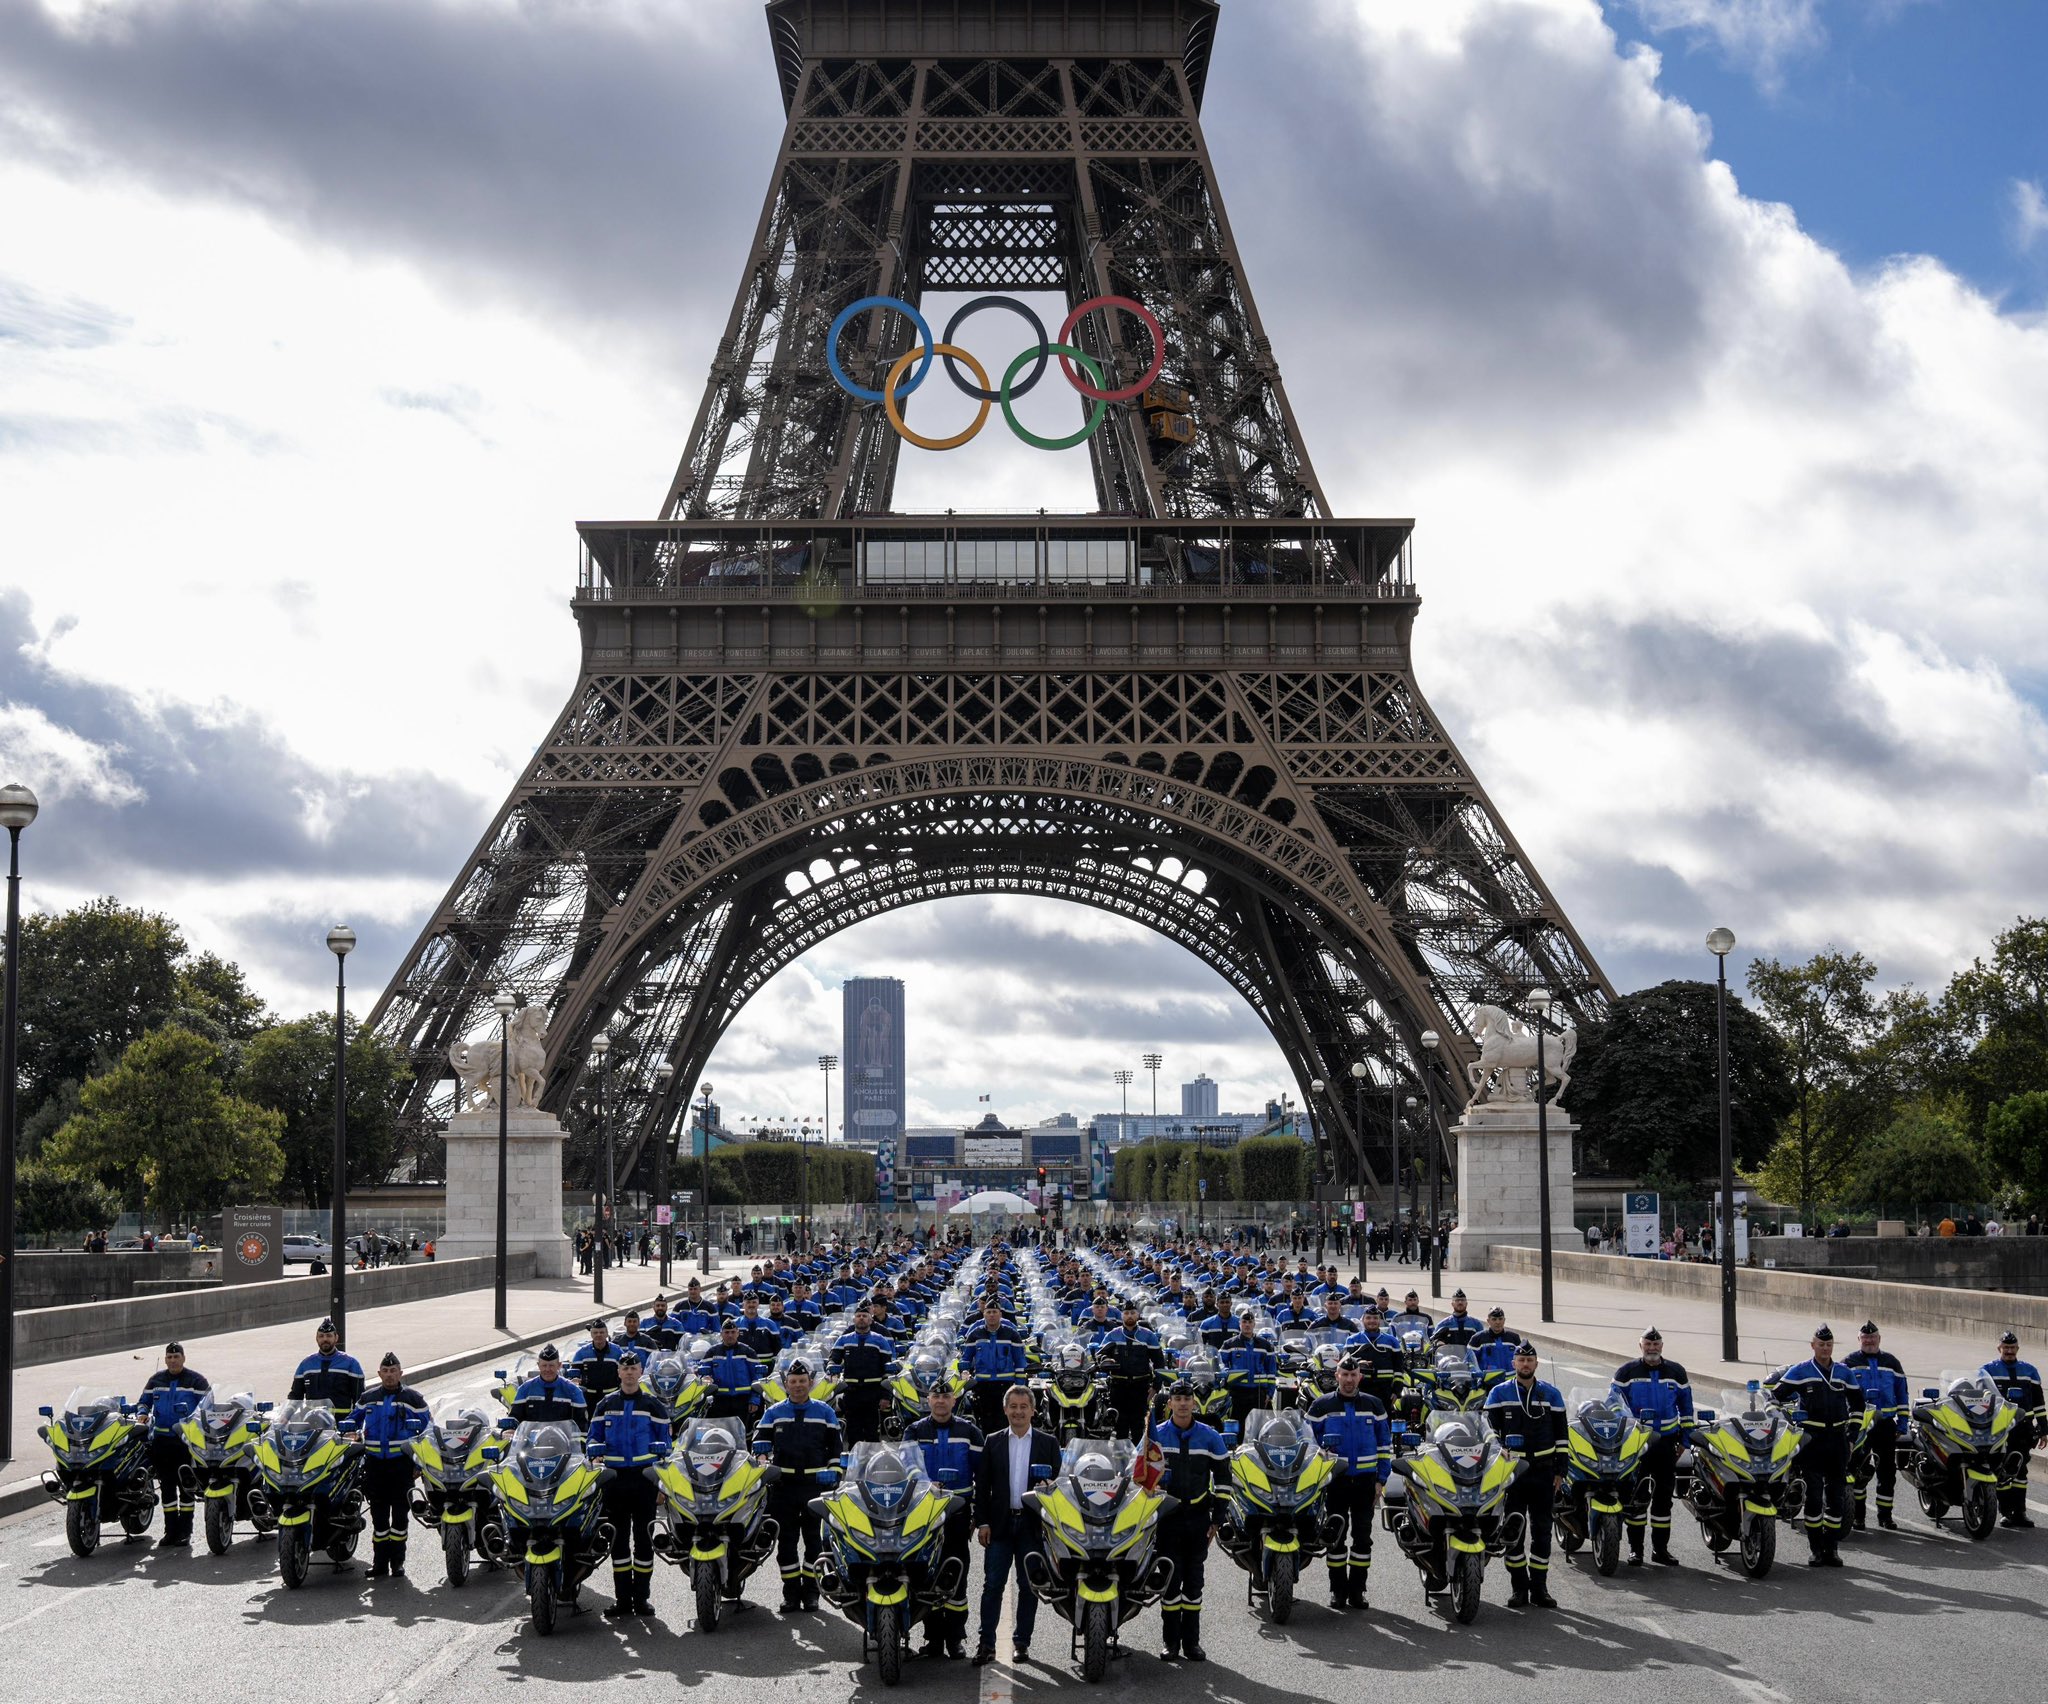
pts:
[1759, 35]
[2029, 213]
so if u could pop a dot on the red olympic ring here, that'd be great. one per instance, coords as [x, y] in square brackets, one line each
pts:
[1151, 324]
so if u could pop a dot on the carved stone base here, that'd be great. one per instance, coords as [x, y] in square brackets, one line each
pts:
[1496, 1146]
[533, 1189]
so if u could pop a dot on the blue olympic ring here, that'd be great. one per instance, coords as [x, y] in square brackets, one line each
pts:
[924, 331]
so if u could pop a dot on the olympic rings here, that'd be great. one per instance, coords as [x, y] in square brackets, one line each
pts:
[929, 349]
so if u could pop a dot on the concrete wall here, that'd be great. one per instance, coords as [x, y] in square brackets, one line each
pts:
[57, 1278]
[1975, 1315]
[2017, 1264]
[42, 1335]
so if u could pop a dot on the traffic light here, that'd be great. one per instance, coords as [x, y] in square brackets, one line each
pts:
[1041, 1177]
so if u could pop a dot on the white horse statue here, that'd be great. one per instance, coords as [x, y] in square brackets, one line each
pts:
[476, 1062]
[1508, 1045]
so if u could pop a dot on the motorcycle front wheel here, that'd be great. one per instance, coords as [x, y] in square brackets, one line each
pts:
[82, 1526]
[1606, 1543]
[220, 1524]
[1759, 1546]
[1980, 1509]
[1280, 1589]
[455, 1551]
[1095, 1630]
[540, 1595]
[889, 1647]
[294, 1554]
[1466, 1579]
[704, 1577]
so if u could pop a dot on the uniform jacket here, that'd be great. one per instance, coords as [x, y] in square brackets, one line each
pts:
[1193, 1460]
[1534, 1416]
[1659, 1396]
[629, 1431]
[546, 1399]
[387, 1420]
[336, 1379]
[952, 1452]
[802, 1440]
[168, 1397]
[1355, 1430]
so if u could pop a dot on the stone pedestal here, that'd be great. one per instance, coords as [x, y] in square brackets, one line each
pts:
[1496, 1146]
[533, 1189]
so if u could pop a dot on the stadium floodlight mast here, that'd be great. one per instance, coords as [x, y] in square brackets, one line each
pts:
[1152, 1062]
[1721, 943]
[341, 941]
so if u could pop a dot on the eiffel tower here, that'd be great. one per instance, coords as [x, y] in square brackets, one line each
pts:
[1195, 708]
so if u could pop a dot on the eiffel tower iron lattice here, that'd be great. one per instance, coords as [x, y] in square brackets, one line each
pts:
[1195, 708]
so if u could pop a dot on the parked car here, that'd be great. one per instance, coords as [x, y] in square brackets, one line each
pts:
[305, 1249]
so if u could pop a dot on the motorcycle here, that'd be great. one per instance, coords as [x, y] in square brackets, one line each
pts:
[885, 1571]
[549, 1491]
[714, 1514]
[1741, 1482]
[1279, 1483]
[310, 1466]
[1412, 1337]
[220, 1436]
[1446, 1511]
[1961, 1437]
[524, 1367]
[1100, 1565]
[914, 1381]
[101, 1446]
[1294, 1382]
[680, 1383]
[456, 1456]
[1071, 1400]
[1212, 1397]
[1451, 1382]
[824, 1382]
[1604, 1448]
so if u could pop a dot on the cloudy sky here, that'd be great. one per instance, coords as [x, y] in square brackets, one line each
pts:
[1704, 338]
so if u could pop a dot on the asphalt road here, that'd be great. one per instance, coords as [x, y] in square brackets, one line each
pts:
[1915, 1615]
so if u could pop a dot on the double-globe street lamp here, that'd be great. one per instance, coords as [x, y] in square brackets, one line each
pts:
[1430, 1042]
[607, 1186]
[504, 1002]
[341, 941]
[827, 1063]
[664, 1074]
[1721, 943]
[1539, 1007]
[704, 1178]
[17, 810]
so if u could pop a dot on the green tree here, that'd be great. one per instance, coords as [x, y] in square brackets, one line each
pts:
[49, 1203]
[2001, 1009]
[214, 999]
[1645, 1086]
[1270, 1168]
[290, 1069]
[159, 1129]
[1924, 1154]
[1828, 1019]
[2016, 1142]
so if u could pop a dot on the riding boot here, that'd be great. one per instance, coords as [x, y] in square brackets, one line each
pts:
[1191, 1637]
[1635, 1547]
[1518, 1588]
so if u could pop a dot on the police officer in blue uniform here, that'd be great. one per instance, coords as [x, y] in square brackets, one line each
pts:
[1883, 1380]
[1354, 1428]
[635, 1339]
[1823, 1397]
[735, 1377]
[171, 1393]
[1132, 1358]
[1386, 1368]
[2021, 1383]
[864, 1360]
[1494, 1348]
[1457, 1327]
[694, 1318]
[1249, 1370]
[1660, 1395]
[802, 1438]
[389, 1416]
[1528, 1414]
[994, 1358]
[595, 1365]
[329, 1374]
[1193, 1454]
[951, 1447]
[629, 1433]
[661, 1326]
[549, 1395]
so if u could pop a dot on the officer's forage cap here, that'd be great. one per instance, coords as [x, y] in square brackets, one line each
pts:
[800, 1365]
[550, 1353]
[631, 1358]
[390, 1359]
[1870, 1328]
[1181, 1387]
[1457, 1295]
[174, 1348]
[1525, 1348]
[729, 1324]
[600, 1325]
[325, 1327]
[2011, 1337]
[1653, 1335]
[1823, 1335]
[1496, 1313]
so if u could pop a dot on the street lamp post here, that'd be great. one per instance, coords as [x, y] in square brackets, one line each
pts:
[341, 941]
[1539, 1004]
[664, 1074]
[1152, 1062]
[1430, 1042]
[1315, 1148]
[502, 1003]
[17, 810]
[1721, 943]
[827, 1063]
[1123, 1121]
[600, 1046]
[704, 1179]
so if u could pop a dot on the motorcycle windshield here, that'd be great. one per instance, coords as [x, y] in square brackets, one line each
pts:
[1464, 1442]
[709, 1448]
[1454, 1369]
[90, 1401]
[457, 1425]
[1975, 1393]
[541, 1453]
[1097, 1472]
[220, 1415]
[1282, 1438]
[889, 1479]
[1602, 1416]
[1412, 1338]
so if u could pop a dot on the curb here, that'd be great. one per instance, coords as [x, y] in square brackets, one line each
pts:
[21, 1494]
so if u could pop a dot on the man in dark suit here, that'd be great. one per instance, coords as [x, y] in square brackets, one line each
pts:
[1012, 1462]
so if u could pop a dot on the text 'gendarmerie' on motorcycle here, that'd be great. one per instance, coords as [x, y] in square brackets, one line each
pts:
[1741, 1483]
[1446, 1511]
[714, 1520]
[220, 1436]
[884, 1572]
[458, 1502]
[310, 1466]
[1279, 1488]
[1603, 1474]
[101, 1447]
[1099, 1566]
[1962, 1433]
[1071, 1400]
[549, 1491]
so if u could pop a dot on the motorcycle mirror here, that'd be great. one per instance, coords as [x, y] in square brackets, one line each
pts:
[46, 1413]
[817, 1507]
[507, 1424]
[348, 1425]
[1032, 1499]
[265, 1407]
[499, 1375]
[770, 1474]
[1929, 1392]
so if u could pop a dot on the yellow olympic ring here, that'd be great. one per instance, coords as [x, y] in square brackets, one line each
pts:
[896, 415]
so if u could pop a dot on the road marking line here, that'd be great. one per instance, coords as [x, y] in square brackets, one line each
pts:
[9, 1626]
[437, 1661]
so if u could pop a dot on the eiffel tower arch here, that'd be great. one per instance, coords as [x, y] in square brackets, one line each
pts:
[796, 710]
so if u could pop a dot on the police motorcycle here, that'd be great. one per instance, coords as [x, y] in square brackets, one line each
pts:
[1070, 1394]
[1445, 1510]
[549, 1491]
[884, 1570]
[1212, 1397]
[814, 1350]
[1604, 1449]
[1738, 1476]
[457, 1455]
[924, 1369]
[311, 1464]
[1452, 1382]
[524, 1367]
[1279, 1487]
[1294, 1381]
[101, 1471]
[1412, 1338]
[714, 1522]
[1318, 1375]
[676, 1376]
[220, 1436]
[1961, 1436]
[1100, 1565]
